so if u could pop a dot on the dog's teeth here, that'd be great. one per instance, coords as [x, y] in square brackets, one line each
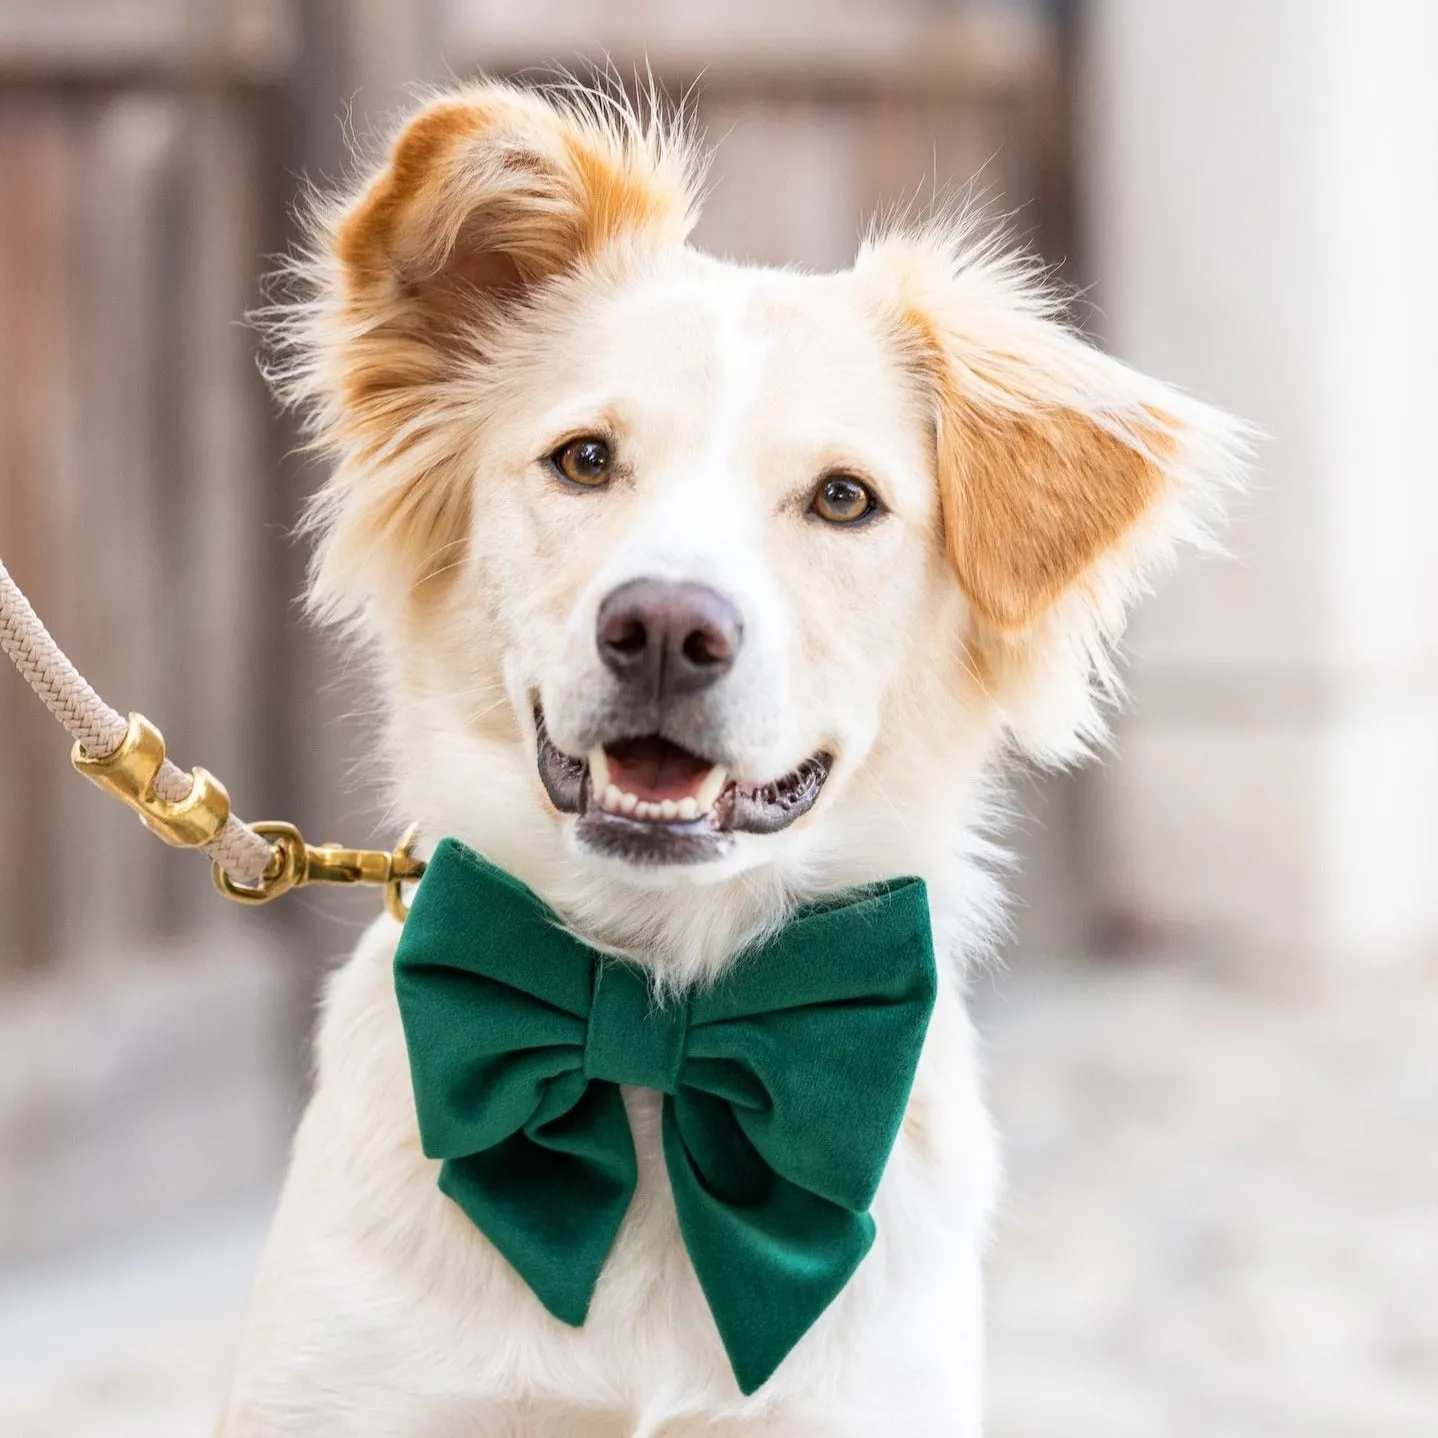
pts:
[612, 797]
[710, 789]
[688, 809]
[628, 802]
[641, 809]
[668, 810]
[598, 770]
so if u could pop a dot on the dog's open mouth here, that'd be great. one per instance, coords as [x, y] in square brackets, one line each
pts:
[648, 800]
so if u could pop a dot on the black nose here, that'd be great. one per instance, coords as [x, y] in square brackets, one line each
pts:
[665, 639]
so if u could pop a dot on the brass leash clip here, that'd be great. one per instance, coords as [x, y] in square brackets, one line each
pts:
[130, 773]
[200, 818]
[297, 863]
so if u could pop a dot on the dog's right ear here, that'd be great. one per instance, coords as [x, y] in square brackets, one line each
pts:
[485, 194]
[497, 188]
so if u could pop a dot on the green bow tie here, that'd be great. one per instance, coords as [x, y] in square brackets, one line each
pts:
[786, 1083]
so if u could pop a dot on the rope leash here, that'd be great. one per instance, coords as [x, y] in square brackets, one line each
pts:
[250, 863]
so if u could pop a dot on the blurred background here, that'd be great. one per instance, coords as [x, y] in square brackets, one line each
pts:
[1211, 1047]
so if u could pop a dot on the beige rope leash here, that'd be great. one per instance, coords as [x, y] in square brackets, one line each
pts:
[126, 758]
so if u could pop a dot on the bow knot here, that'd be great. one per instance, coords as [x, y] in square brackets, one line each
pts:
[785, 1085]
[633, 1037]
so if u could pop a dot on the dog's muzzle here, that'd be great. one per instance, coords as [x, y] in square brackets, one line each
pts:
[647, 791]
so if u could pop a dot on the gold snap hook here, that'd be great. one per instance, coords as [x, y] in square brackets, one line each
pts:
[297, 863]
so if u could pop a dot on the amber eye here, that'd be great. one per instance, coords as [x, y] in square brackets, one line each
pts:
[585, 461]
[842, 499]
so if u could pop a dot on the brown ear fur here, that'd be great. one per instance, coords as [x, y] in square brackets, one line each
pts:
[1031, 502]
[1064, 476]
[499, 186]
[484, 194]
[1046, 457]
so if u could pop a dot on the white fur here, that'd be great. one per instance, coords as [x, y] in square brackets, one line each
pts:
[380, 1311]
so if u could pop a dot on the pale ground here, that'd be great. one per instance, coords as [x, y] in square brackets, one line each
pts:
[1222, 1223]
[1223, 1208]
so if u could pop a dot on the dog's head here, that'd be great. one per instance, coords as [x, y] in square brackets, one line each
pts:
[693, 579]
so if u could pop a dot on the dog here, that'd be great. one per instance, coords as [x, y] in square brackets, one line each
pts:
[697, 592]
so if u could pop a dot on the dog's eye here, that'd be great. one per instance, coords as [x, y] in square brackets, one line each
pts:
[842, 499]
[585, 461]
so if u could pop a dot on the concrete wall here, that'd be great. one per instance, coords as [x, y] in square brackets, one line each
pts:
[1260, 187]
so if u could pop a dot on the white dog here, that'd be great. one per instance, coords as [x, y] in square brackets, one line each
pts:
[698, 591]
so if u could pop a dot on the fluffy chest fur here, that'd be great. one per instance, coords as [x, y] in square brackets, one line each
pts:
[373, 1273]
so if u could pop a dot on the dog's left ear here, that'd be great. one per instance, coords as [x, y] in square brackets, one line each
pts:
[1063, 475]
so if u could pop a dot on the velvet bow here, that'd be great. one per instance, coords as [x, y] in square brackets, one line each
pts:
[786, 1082]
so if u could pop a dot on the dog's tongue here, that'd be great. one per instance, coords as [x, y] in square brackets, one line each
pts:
[653, 769]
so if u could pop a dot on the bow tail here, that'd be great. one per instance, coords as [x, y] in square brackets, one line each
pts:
[551, 1197]
[770, 1255]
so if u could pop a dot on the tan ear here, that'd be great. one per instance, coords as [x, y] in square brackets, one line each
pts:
[495, 187]
[1031, 502]
[1064, 475]
[485, 194]
[1049, 453]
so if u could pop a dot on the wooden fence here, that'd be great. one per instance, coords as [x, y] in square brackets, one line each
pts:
[147, 154]
[151, 1036]
[140, 197]
[147, 151]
